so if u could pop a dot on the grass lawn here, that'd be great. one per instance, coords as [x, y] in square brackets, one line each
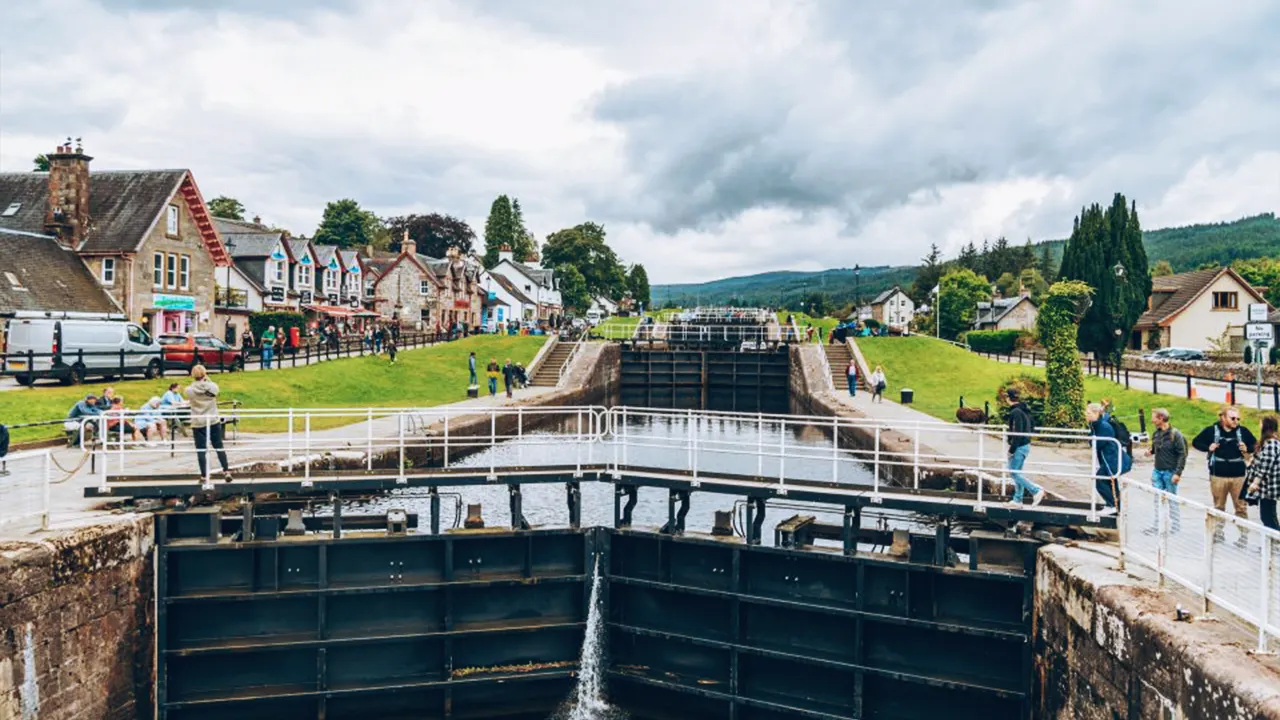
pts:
[617, 327]
[424, 377]
[940, 373]
[827, 324]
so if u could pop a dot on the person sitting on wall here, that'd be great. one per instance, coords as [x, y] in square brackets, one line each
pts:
[82, 414]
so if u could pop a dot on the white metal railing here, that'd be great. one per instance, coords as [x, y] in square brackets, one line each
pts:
[1229, 563]
[794, 447]
[679, 332]
[307, 439]
[568, 363]
[25, 479]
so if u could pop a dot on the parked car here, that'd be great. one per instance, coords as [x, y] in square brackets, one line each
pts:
[183, 351]
[1174, 353]
[72, 350]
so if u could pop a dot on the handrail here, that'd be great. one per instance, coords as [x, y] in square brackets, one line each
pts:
[826, 368]
[1185, 542]
[24, 496]
[568, 362]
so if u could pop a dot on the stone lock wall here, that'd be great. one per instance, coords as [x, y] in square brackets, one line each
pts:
[77, 623]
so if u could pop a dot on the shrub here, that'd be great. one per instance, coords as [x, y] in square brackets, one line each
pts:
[1248, 354]
[1275, 354]
[1033, 391]
[258, 322]
[1000, 342]
[1057, 326]
[872, 323]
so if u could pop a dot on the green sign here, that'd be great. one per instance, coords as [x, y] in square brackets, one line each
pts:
[173, 302]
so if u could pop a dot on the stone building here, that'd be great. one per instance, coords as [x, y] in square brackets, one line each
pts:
[1015, 313]
[436, 292]
[145, 235]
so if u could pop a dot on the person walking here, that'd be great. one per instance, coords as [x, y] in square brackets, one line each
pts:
[1263, 475]
[878, 384]
[206, 426]
[268, 340]
[508, 376]
[392, 344]
[493, 370]
[1108, 453]
[1021, 426]
[1169, 447]
[471, 366]
[378, 334]
[851, 374]
[1227, 444]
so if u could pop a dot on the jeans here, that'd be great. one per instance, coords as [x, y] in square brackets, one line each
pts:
[267, 353]
[853, 385]
[1017, 459]
[377, 344]
[493, 386]
[1163, 480]
[210, 435]
[473, 376]
[1267, 508]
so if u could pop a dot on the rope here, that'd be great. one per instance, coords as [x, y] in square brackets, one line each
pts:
[84, 458]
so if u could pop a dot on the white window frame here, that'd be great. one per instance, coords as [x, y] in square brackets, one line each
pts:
[184, 272]
[108, 271]
[304, 276]
[171, 271]
[424, 287]
[171, 221]
[280, 276]
[157, 270]
[368, 288]
[330, 280]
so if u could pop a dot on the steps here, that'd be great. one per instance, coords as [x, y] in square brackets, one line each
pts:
[548, 373]
[838, 357]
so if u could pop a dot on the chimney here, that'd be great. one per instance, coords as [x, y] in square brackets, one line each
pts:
[533, 258]
[407, 245]
[68, 213]
[1023, 291]
[257, 219]
[505, 253]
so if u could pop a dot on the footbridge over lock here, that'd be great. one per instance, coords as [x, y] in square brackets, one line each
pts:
[877, 599]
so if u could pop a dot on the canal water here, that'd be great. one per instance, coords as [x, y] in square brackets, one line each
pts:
[660, 441]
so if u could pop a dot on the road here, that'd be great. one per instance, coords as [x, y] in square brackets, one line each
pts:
[1176, 385]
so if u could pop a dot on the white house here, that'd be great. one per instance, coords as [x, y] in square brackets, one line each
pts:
[1195, 309]
[1015, 313]
[604, 306]
[538, 284]
[893, 307]
[507, 302]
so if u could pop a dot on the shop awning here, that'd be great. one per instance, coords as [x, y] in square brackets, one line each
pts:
[368, 314]
[332, 310]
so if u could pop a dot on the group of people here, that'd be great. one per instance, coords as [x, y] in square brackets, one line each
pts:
[197, 406]
[876, 381]
[513, 375]
[1243, 468]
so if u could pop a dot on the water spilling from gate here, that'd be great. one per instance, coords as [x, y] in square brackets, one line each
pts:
[588, 702]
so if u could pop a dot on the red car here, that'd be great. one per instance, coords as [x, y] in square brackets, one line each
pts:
[183, 351]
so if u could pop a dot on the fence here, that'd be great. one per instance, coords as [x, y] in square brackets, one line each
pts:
[1180, 384]
[680, 333]
[72, 367]
[24, 489]
[1229, 563]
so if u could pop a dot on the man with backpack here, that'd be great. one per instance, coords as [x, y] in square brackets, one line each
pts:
[1169, 448]
[1109, 447]
[1020, 428]
[1227, 443]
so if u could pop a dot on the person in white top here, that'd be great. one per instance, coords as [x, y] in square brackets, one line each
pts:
[877, 383]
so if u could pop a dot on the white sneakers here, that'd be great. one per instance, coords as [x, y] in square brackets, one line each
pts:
[1037, 498]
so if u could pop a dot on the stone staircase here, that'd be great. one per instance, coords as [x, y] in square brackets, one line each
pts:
[838, 357]
[548, 373]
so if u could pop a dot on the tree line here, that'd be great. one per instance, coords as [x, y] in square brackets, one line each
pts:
[585, 265]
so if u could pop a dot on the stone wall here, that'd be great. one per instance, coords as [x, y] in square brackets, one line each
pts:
[1107, 647]
[1207, 370]
[77, 623]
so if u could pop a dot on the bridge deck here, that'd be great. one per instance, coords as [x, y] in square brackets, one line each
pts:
[938, 503]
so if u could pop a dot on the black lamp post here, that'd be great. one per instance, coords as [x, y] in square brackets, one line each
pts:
[857, 289]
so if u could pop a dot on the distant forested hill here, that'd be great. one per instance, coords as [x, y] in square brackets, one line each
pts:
[1185, 248]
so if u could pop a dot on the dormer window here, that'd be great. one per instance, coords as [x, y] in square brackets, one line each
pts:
[13, 281]
[108, 271]
[11, 210]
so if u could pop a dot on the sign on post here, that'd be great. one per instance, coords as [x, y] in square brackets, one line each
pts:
[1258, 331]
[1258, 312]
[277, 294]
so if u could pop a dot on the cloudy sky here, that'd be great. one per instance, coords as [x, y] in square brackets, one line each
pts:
[711, 138]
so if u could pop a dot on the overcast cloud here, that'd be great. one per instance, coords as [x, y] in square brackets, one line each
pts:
[710, 138]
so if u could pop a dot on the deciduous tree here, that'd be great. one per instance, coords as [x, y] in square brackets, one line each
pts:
[638, 284]
[1056, 329]
[573, 288]
[434, 233]
[583, 246]
[347, 225]
[227, 208]
[961, 291]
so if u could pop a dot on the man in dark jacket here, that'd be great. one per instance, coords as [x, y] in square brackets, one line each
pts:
[1227, 443]
[1020, 429]
[1108, 452]
[508, 376]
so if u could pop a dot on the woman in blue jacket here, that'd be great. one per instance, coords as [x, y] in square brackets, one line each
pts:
[1110, 457]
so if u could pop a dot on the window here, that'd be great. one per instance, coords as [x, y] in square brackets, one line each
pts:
[330, 280]
[184, 274]
[368, 288]
[304, 276]
[108, 271]
[279, 271]
[424, 287]
[138, 335]
[1226, 301]
[171, 221]
[11, 210]
[13, 280]
[171, 272]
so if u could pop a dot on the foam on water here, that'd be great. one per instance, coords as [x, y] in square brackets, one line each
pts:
[588, 702]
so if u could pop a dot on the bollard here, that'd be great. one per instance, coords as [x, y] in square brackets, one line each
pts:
[723, 526]
[474, 519]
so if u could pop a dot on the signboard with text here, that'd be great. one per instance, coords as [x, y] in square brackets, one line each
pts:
[277, 294]
[1258, 331]
[173, 302]
[1258, 312]
[307, 297]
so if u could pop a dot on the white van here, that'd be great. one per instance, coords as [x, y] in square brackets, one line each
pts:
[72, 350]
[594, 317]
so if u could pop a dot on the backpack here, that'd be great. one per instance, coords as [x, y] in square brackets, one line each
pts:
[1123, 435]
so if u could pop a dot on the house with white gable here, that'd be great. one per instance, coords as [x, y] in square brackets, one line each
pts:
[893, 307]
[538, 284]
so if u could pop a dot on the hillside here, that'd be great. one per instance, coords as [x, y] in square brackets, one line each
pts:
[1186, 248]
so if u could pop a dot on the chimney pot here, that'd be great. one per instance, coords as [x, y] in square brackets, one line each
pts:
[257, 219]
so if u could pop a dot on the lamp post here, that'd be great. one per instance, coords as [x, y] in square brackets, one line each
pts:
[937, 310]
[857, 288]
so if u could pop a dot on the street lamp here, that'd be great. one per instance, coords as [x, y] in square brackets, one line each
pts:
[1119, 270]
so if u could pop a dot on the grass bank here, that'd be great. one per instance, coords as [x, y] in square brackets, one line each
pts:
[827, 324]
[424, 377]
[940, 373]
[616, 327]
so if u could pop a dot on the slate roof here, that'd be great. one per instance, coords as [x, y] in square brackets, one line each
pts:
[246, 240]
[53, 278]
[298, 247]
[884, 296]
[511, 289]
[325, 253]
[990, 313]
[123, 204]
[348, 258]
[1171, 294]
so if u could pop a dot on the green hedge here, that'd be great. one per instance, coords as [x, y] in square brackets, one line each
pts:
[259, 322]
[1001, 342]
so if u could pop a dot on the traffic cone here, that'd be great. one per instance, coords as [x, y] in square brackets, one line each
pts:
[1194, 393]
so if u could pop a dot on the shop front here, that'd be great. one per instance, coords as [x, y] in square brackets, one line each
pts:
[170, 314]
